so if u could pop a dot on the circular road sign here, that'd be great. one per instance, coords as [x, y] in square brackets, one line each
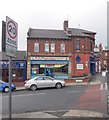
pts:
[12, 29]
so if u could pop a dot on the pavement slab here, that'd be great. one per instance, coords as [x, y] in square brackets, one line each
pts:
[83, 113]
[32, 115]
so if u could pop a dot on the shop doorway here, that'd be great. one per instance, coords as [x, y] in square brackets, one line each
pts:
[50, 72]
[5, 75]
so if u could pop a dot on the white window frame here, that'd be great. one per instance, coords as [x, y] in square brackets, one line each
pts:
[36, 47]
[46, 47]
[52, 47]
[62, 47]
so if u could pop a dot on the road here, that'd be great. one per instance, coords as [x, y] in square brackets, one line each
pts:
[44, 99]
[87, 97]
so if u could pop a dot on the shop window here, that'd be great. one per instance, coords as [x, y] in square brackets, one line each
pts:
[61, 69]
[46, 47]
[41, 69]
[52, 47]
[62, 47]
[34, 69]
[36, 47]
[77, 44]
[14, 75]
[20, 74]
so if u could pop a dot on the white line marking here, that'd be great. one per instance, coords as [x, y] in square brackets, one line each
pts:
[101, 87]
[106, 86]
[25, 95]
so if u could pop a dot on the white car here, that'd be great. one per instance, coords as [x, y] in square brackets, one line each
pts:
[43, 82]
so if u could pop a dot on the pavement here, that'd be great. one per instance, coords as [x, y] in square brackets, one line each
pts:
[64, 113]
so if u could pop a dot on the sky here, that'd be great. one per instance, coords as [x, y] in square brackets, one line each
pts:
[50, 14]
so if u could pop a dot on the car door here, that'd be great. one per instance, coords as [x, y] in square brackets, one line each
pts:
[50, 82]
[40, 82]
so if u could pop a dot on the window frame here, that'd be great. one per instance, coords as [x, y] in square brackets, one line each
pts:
[47, 48]
[62, 47]
[36, 47]
[78, 44]
[52, 48]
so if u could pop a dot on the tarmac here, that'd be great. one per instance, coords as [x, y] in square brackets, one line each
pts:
[64, 113]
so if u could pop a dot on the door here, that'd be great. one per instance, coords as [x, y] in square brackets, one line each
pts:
[5, 75]
[49, 81]
[40, 82]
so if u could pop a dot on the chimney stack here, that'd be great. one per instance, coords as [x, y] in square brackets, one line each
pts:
[65, 25]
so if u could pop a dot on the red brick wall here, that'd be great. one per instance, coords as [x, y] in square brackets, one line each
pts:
[70, 50]
[84, 58]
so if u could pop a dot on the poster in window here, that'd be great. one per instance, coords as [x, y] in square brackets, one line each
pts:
[79, 66]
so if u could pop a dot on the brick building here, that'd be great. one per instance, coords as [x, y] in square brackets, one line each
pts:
[64, 53]
[18, 67]
[97, 54]
[105, 59]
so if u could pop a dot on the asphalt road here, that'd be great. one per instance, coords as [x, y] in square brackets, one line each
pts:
[44, 99]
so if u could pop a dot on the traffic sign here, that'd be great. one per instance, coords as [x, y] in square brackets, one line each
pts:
[11, 37]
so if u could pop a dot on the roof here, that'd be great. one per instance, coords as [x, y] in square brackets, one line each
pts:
[80, 32]
[45, 33]
[57, 34]
[21, 55]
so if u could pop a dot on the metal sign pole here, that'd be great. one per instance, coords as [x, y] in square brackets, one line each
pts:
[10, 81]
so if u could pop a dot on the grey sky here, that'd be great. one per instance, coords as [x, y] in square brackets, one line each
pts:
[50, 14]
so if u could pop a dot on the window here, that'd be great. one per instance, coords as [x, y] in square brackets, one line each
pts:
[52, 47]
[20, 74]
[46, 47]
[62, 47]
[36, 47]
[105, 54]
[105, 62]
[39, 78]
[91, 46]
[78, 44]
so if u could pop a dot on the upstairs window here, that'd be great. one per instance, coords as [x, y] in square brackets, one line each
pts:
[78, 44]
[105, 54]
[52, 48]
[46, 47]
[62, 47]
[36, 47]
[91, 46]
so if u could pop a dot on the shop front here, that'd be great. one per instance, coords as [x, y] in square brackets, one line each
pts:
[92, 65]
[18, 71]
[57, 68]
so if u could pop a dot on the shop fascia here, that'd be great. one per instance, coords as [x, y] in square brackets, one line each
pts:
[49, 58]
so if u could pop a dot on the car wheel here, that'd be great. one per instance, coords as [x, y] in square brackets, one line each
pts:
[6, 89]
[58, 85]
[33, 87]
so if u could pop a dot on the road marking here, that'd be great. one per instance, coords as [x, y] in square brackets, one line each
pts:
[106, 86]
[83, 91]
[101, 87]
[25, 95]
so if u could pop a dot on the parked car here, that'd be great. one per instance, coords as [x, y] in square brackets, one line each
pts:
[4, 86]
[43, 82]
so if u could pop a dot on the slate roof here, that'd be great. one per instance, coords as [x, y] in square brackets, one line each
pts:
[45, 33]
[57, 34]
[80, 32]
